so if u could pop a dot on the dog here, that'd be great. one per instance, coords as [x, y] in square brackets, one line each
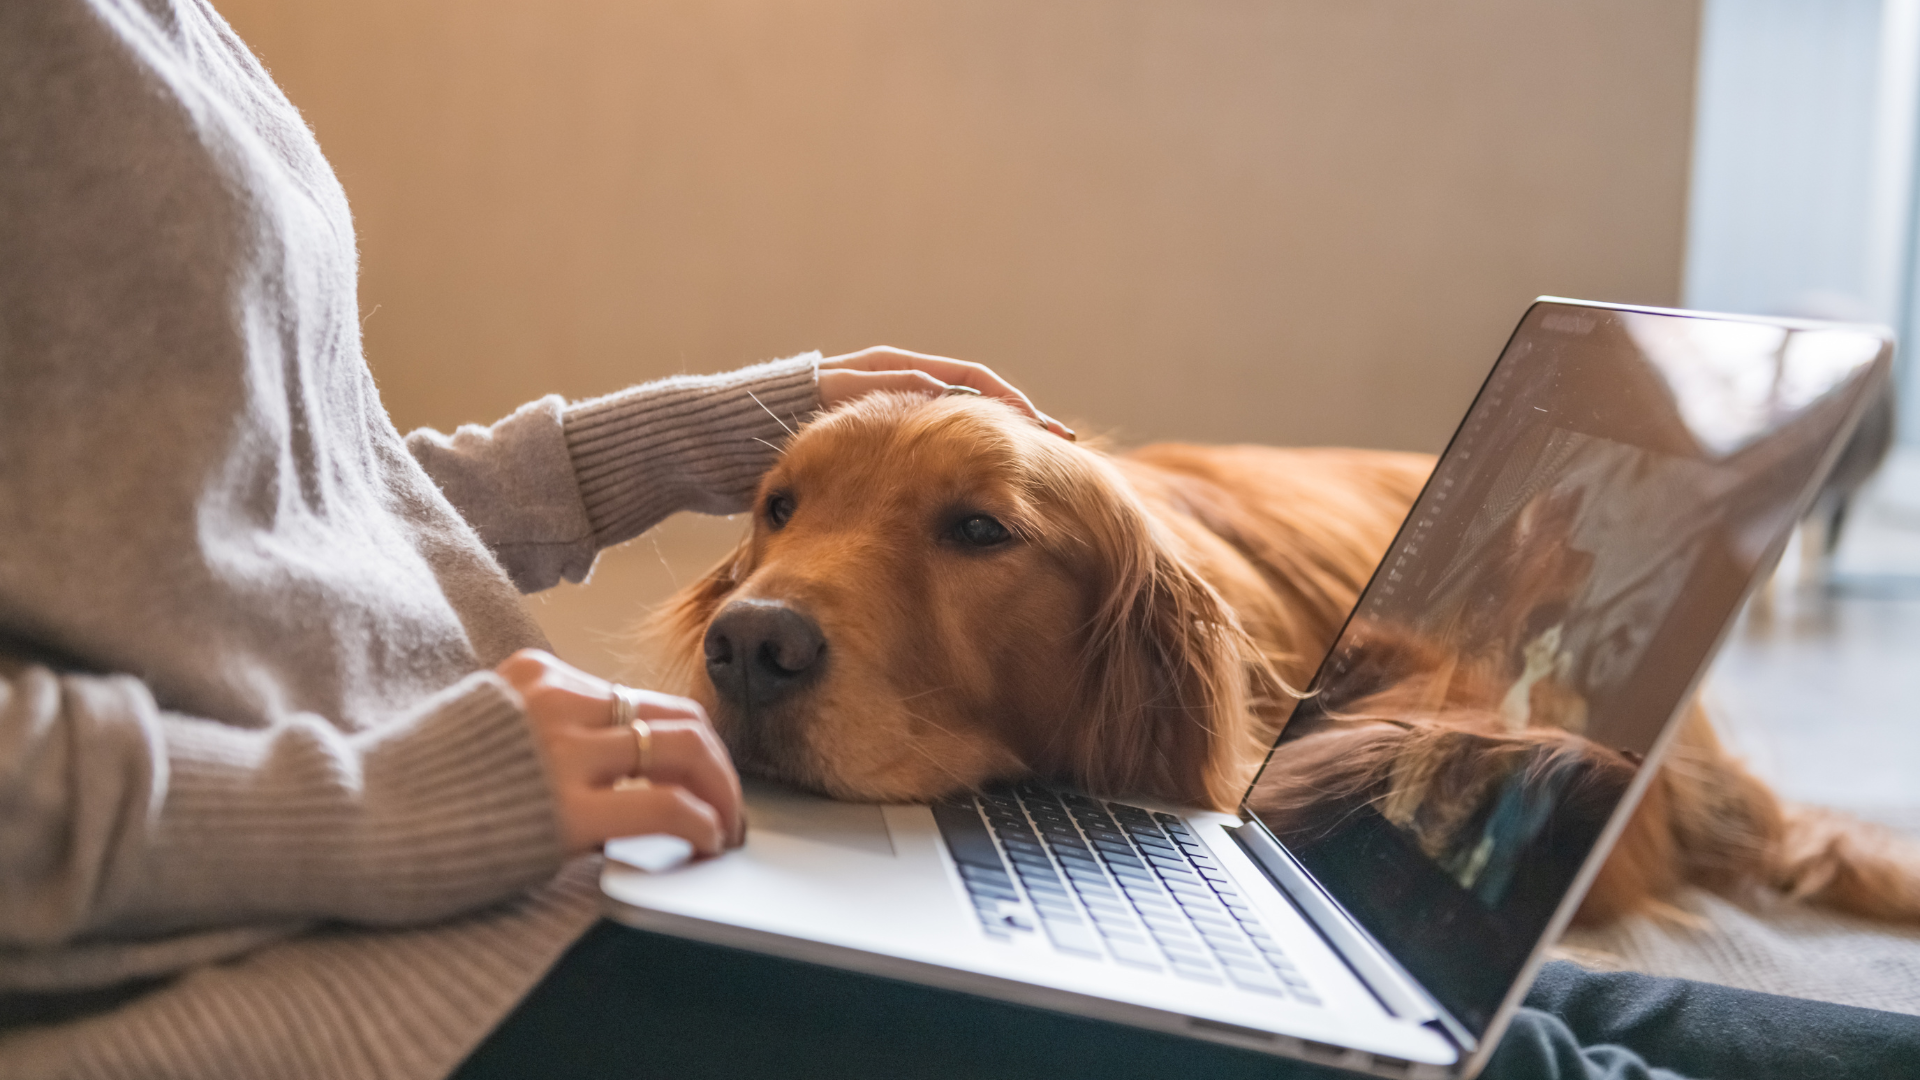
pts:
[936, 595]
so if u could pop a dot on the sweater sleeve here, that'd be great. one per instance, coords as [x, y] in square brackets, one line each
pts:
[120, 818]
[550, 486]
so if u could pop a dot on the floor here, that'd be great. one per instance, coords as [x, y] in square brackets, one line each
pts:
[1818, 686]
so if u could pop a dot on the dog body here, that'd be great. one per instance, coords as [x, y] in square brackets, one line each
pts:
[936, 595]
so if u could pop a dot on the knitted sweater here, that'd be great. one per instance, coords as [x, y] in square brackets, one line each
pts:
[264, 809]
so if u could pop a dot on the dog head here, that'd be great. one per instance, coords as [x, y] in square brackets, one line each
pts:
[937, 594]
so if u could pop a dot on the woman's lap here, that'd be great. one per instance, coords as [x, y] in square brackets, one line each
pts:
[624, 1002]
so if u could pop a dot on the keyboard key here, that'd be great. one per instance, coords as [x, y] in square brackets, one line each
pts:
[1175, 874]
[1030, 858]
[989, 875]
[1050, 906]
[966, 835]
[1203, 862]
[979, 889]
[1138, 955]
[1047, 883]
[1182, 950]
[1163, 862]
[1115, 933]
[1155, 841]
[1255, 980]
[1243, 963]
[1073, 937]
[1235, 954]
[1213, 917]
[1198, 972]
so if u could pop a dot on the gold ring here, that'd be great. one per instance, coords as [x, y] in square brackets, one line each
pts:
[642, 742]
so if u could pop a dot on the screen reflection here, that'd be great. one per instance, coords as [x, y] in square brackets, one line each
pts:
[1616, 486]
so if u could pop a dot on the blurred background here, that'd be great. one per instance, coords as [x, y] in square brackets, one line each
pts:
[1286, 221]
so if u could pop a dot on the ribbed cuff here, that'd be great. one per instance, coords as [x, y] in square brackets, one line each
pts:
[686, 443]
[437, 812]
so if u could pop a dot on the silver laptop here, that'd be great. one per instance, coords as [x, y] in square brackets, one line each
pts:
[1621, 481]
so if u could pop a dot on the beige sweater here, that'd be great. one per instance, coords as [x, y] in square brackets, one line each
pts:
[252, 762]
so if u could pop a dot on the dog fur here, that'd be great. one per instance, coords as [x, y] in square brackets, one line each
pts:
[1141, 631]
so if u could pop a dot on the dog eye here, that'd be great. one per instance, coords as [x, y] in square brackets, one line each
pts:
[981, 531]
[779, 509]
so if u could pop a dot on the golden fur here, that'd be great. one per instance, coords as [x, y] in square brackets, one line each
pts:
[1141, 634]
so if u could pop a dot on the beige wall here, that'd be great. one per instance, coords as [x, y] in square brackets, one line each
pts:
[1275, 220]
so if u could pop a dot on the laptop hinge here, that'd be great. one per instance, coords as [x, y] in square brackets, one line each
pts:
[1397, 991]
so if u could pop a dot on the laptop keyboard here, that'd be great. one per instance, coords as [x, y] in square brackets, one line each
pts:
[1104, 880]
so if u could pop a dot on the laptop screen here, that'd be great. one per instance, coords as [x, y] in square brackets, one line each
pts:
[1621, 479]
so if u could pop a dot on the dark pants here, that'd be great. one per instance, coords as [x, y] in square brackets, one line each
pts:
[623, 1003]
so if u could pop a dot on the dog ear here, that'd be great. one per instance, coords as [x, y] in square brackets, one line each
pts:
[1167, 672]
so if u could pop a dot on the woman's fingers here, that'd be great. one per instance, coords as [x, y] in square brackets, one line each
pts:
[571, 714]
[597, 815]
[692, 756]
[947, 371]
[653, 705]
[684, 753]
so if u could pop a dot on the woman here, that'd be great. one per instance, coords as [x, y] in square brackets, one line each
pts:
[287, 788]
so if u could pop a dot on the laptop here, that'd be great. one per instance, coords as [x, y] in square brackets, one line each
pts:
[1621, 481]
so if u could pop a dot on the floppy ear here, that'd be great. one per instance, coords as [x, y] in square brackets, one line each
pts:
[680, 630]
[1167, 674]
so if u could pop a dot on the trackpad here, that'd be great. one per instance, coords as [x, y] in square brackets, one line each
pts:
[855, 826]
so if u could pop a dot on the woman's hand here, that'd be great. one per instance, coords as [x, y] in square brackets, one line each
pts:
[692, 793]
[843, 378]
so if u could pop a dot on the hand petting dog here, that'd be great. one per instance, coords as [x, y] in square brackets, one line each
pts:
[852, 375]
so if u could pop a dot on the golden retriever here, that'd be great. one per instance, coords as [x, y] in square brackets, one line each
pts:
[936, 595]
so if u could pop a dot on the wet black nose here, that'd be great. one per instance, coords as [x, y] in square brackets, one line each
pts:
[758, 651]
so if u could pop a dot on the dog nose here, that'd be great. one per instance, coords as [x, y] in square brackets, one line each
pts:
[758, 651]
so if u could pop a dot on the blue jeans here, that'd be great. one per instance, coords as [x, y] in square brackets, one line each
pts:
[623, 1003]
